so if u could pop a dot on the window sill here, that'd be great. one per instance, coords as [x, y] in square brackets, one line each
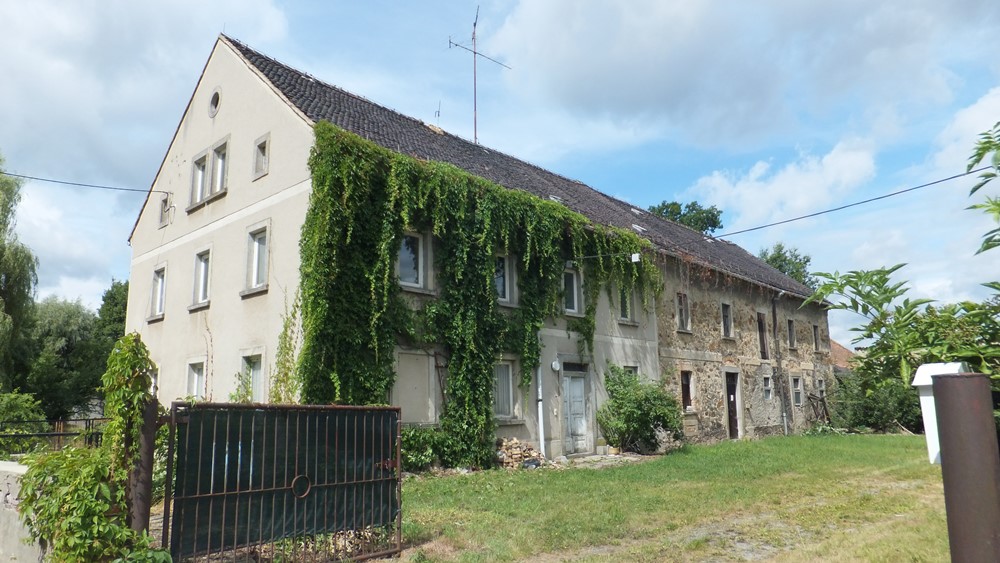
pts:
[729, 339]
[793, 349]
[154, 318]
[198, 205]
[684, 331]
[628, 322]
[199, 306]
[510, 421]
[416, 289]
[253, 291]
[689, 412]
[573, 314]
[258, 175]
[507, 304]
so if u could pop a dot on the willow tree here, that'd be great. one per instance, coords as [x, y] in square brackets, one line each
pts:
[17, 285]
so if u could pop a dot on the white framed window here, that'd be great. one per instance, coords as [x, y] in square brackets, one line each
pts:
[503, 390]
[626, 305]
[727, 320]
[261, 156]
[791, 334]
[571, 292]
[164, 210]
[821, 388]
[159, 292]
[768, 389]
[502, 279]
[797, 391]
[257, 257]
[199, 179]
[683, 313]
[252, 367]
[762, 334]
[410, 261]
[202, 275]
[220, 167]
[196, 380]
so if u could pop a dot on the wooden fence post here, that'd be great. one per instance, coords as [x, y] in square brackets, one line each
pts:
[141, 476]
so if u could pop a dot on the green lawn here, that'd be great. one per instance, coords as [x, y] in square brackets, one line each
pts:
[864, 498]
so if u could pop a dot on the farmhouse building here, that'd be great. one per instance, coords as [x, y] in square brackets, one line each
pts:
[216, 268]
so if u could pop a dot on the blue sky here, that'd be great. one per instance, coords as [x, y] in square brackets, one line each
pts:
[768, 110]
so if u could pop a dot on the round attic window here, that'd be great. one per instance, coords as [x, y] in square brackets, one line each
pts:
[213, 103]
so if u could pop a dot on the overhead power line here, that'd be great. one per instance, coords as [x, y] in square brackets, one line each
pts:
[81, 184]
[856, 203]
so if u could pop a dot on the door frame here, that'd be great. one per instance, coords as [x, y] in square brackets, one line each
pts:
[737, 402]
[588, 408]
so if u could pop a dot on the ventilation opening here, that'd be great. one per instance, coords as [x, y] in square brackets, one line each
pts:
[213, 104]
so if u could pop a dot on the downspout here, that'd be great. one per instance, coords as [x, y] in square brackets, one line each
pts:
[777, 361]
[541, 412]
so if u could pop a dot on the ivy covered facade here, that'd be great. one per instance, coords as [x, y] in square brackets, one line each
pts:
[319, 245]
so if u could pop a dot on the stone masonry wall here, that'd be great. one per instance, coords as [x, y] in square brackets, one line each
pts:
[709, 356]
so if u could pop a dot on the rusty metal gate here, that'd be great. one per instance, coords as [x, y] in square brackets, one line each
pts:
[294, 482]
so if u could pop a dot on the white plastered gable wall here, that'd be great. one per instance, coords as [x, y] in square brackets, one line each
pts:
[248, 109]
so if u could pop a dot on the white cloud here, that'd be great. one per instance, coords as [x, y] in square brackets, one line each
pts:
[760, 195]
[725, 74]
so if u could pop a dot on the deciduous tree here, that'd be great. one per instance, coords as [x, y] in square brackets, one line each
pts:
[704, 219]
[69, 357]
[17, 286]
[789, 262]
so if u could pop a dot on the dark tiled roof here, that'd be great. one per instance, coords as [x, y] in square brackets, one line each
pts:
[395, 131]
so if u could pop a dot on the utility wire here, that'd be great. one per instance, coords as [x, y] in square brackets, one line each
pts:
[856, 203]
[81, 184]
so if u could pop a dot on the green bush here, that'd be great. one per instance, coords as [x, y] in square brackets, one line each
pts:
[63, 494]
[878, 407]
[420, 448]
[635, 411]
[26, 412]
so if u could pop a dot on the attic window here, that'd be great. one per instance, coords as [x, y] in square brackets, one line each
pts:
[555, 198]
[639, 228]
[213, 103]
[636, 211]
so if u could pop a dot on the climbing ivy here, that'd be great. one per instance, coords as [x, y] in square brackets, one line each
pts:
[74, 500]
[353, 312]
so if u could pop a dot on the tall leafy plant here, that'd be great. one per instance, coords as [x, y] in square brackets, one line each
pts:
[74, 500]
[353, 313]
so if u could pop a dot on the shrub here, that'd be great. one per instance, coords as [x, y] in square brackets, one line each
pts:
[26, 412]
[635, 411]
[420, 448]
[64, 494]
[878, 407]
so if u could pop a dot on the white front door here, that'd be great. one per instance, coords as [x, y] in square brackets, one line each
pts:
[576, 434]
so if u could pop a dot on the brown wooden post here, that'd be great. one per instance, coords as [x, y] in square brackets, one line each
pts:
[970, 465]
[141, 476]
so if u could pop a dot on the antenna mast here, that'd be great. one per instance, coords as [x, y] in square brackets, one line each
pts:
[475, 55]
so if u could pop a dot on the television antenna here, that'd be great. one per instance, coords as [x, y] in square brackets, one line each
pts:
[475, 55]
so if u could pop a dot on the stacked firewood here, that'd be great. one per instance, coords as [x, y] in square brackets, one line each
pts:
[515, 454]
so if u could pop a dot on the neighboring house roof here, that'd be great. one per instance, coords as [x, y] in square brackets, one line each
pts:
[395, 131]
[840, 356]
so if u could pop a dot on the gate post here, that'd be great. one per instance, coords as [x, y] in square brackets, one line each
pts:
[970, 465]
[141, 476]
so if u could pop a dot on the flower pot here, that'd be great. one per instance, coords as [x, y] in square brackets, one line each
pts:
[613, 450]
